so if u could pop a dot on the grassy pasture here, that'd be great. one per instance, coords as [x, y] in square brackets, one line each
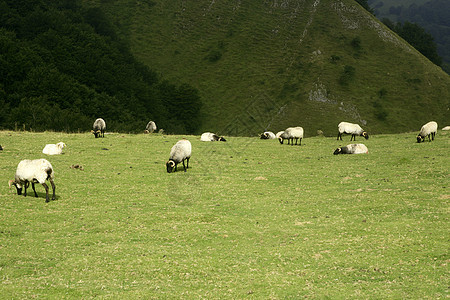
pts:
[250, 219]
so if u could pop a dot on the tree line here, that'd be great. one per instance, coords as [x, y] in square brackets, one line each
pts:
[63, 65]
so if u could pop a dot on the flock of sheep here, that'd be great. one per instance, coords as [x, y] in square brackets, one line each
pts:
[40, 170]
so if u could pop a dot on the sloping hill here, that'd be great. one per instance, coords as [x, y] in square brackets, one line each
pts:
[272, 64]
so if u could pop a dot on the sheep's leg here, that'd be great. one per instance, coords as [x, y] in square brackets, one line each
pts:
[25, 186]
[34, 189]
[184, 166]
[300, 141]
[339, 136]
[353, 137]
[46, 191]
[188, 162]
[53, 187]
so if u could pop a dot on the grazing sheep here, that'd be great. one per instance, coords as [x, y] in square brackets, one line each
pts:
[180, 152]
[352, 149]
[350, 128]
[99, 128]
[52, 149]
[446, 128]
[150, 128]
[428, 129]
[211, 137]
[290, 134]
[268, 135]
[34, 171]
[279, 133]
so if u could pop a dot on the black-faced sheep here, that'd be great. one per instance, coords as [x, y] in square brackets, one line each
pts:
[352, 149]
[267, 135]
[350, 128]
[211, 137]
[180, 152]
[99, 128]
[53, 149]
[290, 134]
[428, 129]
[34, 171]
[150, 128]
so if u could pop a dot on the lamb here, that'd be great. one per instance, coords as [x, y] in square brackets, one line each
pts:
[99, 128]
[211, 137]
[180, 152]
[52, 149]
[446, 128]
[290, 134]
[34, 171]
[150, 128]
[428, 129]
[268, 135]
[350, 128]
[352, 149]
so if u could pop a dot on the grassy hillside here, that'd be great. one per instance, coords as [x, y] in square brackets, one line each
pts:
[273, 64]
[249, 219]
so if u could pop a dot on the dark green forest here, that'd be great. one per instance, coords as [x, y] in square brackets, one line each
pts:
[62, 66]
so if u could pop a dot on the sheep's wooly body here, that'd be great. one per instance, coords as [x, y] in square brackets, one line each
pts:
[352, 149]
[290, 134]
[428, 129]
[53, 149]
[151, 127]
[99, 128]
[211, 137]
[180, 152]
[446, 128]
[34, 171]
[350, 128]
[268, 135]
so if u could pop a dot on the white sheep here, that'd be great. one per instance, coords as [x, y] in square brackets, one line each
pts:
[446, 128]
[290, 134]
[211, 137]
[428, 129]
[34, 171]
[53, 149]
[352, 149]
[99, 128]
[268, 135]
[180, 152]
[350, 128]
[279, 133]
[150, 128]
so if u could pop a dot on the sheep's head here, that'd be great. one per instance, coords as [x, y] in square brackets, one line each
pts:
[61, 145]
[146, 131]
[420, 138]
[365, 135]
[338, 151]
[280, 139]
[170, 166]
[263, 136]
[18, 186]
[222, 139]
[96, 133]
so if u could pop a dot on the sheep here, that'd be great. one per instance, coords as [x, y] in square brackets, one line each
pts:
[350, 128]
[446, 128]
[180, 152]
[34, 171]
[290, 134]
[267, 135]
[352, 149]
[150, 128]
[211, 137]
[428, 129]
[279, 133]
[99, 128]
[52, 149]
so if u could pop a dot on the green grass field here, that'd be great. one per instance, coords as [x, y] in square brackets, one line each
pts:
[250, 219]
